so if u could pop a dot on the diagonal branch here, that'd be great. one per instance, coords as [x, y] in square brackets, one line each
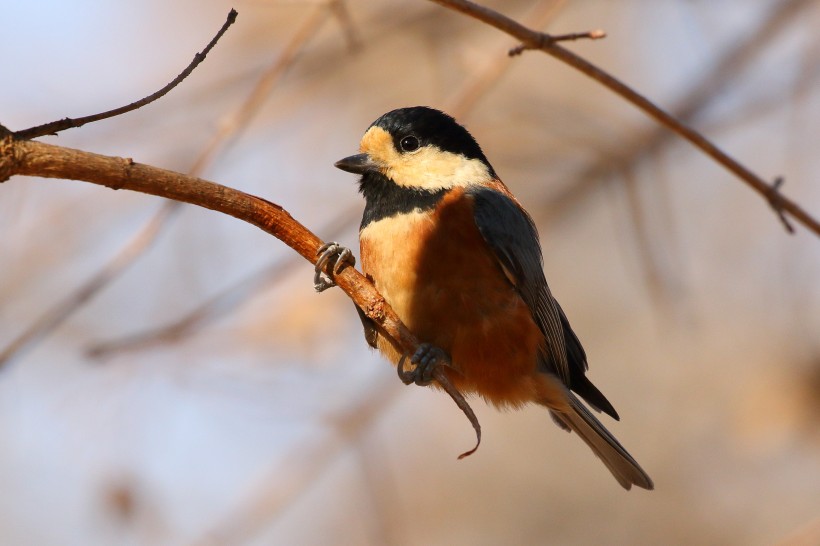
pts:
[229, 129]
[67, 123]
[221, 304]
[742, 51]
[531, 39]
[32, 158]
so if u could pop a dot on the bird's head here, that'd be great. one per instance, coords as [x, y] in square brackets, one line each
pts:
[420, 148]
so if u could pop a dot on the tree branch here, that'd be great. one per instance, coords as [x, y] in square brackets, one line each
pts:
[54, 127]
[31, 158]
[231, 125]
[531, 39]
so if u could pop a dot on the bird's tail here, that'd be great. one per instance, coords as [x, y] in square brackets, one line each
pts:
[625, 469]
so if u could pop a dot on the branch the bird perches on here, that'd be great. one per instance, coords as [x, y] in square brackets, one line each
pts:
[31, 158]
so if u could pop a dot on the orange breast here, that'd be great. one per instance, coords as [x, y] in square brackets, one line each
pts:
[439, 275]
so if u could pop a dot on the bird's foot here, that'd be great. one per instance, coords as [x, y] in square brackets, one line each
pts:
[426, 358]
[337, 256]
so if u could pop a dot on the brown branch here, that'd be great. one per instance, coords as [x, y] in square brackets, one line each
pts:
[744, 49]
[531, 39]
[482, 80]
[54, 127]
[216, 306]
[32, 158]
[228, 129]
[596, 34]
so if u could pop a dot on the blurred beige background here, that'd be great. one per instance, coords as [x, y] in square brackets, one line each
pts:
[273, 423]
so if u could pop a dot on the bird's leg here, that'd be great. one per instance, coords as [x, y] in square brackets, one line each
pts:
[337, 256]
[426, 358]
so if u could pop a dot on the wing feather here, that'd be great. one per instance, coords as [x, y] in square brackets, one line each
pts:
[511, 234]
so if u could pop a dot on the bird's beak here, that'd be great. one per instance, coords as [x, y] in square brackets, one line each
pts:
[357, 164]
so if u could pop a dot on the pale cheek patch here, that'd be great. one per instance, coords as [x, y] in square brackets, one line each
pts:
[433, 169]
[429, 167]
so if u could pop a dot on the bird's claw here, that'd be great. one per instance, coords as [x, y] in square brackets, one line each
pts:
[426, 358]
[337, 256]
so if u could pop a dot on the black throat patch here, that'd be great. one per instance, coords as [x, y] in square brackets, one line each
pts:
[384, 198]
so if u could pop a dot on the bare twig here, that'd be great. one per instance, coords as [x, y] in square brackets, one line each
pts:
[217, 306]
[342, 14]
[47, 323]
[739, 54]
[531, 39]
[482, 80]
[67, 123]
[734, 60]
[229, 128]
[442, 380]
[546, 39]
[32, 158]
[776, 201]
[232, 123]
[144, 238]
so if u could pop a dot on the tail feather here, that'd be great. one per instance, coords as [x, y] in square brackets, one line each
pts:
[625, 469]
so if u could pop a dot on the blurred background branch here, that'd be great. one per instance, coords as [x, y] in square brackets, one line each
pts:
[532, 39]
[230, 127]
[273, 427]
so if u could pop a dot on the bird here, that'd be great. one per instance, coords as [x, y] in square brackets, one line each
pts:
[459, 260]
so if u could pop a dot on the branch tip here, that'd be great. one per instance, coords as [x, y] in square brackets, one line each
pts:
[776, 200]
[544, 41]
[531, 39]
[52, 128]
[461, 402]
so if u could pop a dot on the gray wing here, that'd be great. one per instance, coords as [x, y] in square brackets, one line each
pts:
[511, 234]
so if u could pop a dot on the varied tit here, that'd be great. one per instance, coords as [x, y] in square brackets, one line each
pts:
[458, 259]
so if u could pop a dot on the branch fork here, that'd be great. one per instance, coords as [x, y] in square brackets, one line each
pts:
[544, 40]
[776, 200]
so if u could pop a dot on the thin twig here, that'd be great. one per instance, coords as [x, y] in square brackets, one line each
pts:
[229, 129]
[643, 235]
[481, 81]
[215, 307]
[54, 127]
[144, 238]
[744, 49]
[596, 34]
[231, 125]
[33, 158]
[342, 14]
[531, 39]
[460, 401]
[55, 316]
[776, 201]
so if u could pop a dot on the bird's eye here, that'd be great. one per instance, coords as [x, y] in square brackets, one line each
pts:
[409, 143]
